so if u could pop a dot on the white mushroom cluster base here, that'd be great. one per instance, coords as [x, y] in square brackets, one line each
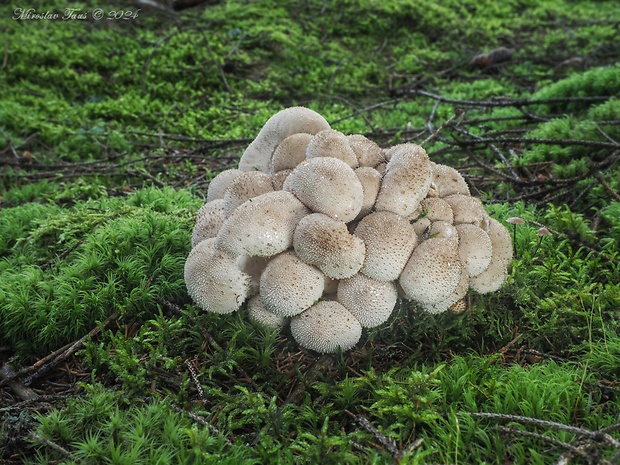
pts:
[325, 232]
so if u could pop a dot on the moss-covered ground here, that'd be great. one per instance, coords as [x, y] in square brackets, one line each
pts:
[110, 131]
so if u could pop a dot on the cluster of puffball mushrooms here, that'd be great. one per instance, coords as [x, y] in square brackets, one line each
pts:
[325, 232]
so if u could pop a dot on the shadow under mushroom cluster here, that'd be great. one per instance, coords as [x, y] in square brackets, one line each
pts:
[324, 232]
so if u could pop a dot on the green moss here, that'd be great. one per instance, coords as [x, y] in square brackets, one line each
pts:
[73, 267]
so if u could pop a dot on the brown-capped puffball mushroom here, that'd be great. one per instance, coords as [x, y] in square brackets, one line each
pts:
[324, 232]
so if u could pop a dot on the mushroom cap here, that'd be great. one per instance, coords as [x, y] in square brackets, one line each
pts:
[494, 276]
[327, 185]
[442, 229]
[447, 181]
[209, 220]
[221, 182]
[467, 209]
[432, 272]
[390, 240]
[371, 183]
[288, 286]
[326, 327]
[437, 209]
[332, 143]
[475, 248]
[257, 155]
[368, 152]
[457, 296]
[368, 300]
[244, 187]
[213, 279]
[327, 244]
[259, 313]
[421, 226]
[406, 181]
[262, 226]
[290, 152]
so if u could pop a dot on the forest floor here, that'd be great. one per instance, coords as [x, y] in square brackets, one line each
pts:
[114, 117]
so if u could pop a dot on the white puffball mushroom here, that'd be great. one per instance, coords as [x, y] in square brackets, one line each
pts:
[209, 220]
[475, 248]
[278, 179]
[447, 181]
[443, 230]
[326, 327]
[262, 226]
[257, 156]
[332, 143]
[221, 182]
[327, 185]
[368, 152]
[327, 244]
[288, 286]
[390, 240]
[491, 279]
[432, 272]
[368, 300]
[406, 181]
[371, 183]
[437, 209]
[290, 152]
[457, 296]
[467, 209]
[259, 313]
[244, 187]
[421, 226]
[213, 279]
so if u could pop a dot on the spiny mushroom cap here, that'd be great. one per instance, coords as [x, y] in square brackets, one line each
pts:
[475, 248]
[371, 183]
[288, 286]
[406, 181]
[209, 220]
[421, 226]
[245, 187]
[332, 143]
[433, 271]
[221, 182]
[447, 181]
[368, 300]
[214, 280]
[389, 240]
[491, 279]
[326, 327]
[437, 209]
[443, 230]
[467, 209]
[368, 152]
[259, 313]
[262, 226]
[257, 155]
[457, 295]
[327, 244]
[290, 152]
[327, 185]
